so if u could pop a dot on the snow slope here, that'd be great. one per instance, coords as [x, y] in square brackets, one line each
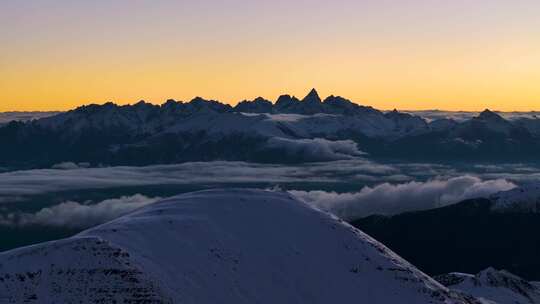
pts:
[218, 246]
[525, 199]
[494, 286]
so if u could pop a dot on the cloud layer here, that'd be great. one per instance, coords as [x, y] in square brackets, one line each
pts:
[70, 166]
[314, 150]
[385, 199]
[388, 199]
[79, 215]
[391, 188]
[19, 184]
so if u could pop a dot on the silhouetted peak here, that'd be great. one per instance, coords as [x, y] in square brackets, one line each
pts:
[489, 115]
[312, 97]
[340, 103]
[200, 103]
[96, 108]
[256, 100]
[258, 105]
[142, 105]
[170, 103]
[397, 115]
[108, 106]
[198, 99]
[261, 100]
[330, 98]
[286, 99]
[393, 113]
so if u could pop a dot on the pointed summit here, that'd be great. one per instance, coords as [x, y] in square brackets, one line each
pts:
[489, 115]
[312, 97]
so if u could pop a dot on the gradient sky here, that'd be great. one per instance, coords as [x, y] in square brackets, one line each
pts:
[405, 54]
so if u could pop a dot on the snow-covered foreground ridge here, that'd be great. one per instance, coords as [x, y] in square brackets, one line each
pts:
[218, 246]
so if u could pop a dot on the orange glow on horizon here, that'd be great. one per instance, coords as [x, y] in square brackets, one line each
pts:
[449, 56]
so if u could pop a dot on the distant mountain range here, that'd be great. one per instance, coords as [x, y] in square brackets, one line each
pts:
[260, 131]
[7, 117]
[500, 231]
[225, 246]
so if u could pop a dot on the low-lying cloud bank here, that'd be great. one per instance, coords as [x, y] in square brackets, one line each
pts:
[384, 199]
[78, 215]
[70, 166]
[388, 199]
[314, 150]
[17, 185]
[391, 188]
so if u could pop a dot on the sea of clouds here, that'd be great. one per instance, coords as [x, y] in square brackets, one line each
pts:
[72, 214]
[381, 188]
[315, 150]
[391, 199]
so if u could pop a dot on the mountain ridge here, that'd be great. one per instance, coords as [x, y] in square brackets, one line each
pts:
[231, 246]
[471, 235]
[202, 130]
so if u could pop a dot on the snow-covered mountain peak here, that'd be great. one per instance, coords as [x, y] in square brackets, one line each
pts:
[493, 286]
[219, 246]
[525, 198]
[486, 121]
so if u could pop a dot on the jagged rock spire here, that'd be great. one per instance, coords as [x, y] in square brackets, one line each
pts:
[312, 96]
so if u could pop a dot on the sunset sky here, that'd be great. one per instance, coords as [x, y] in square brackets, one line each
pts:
[405, 54]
